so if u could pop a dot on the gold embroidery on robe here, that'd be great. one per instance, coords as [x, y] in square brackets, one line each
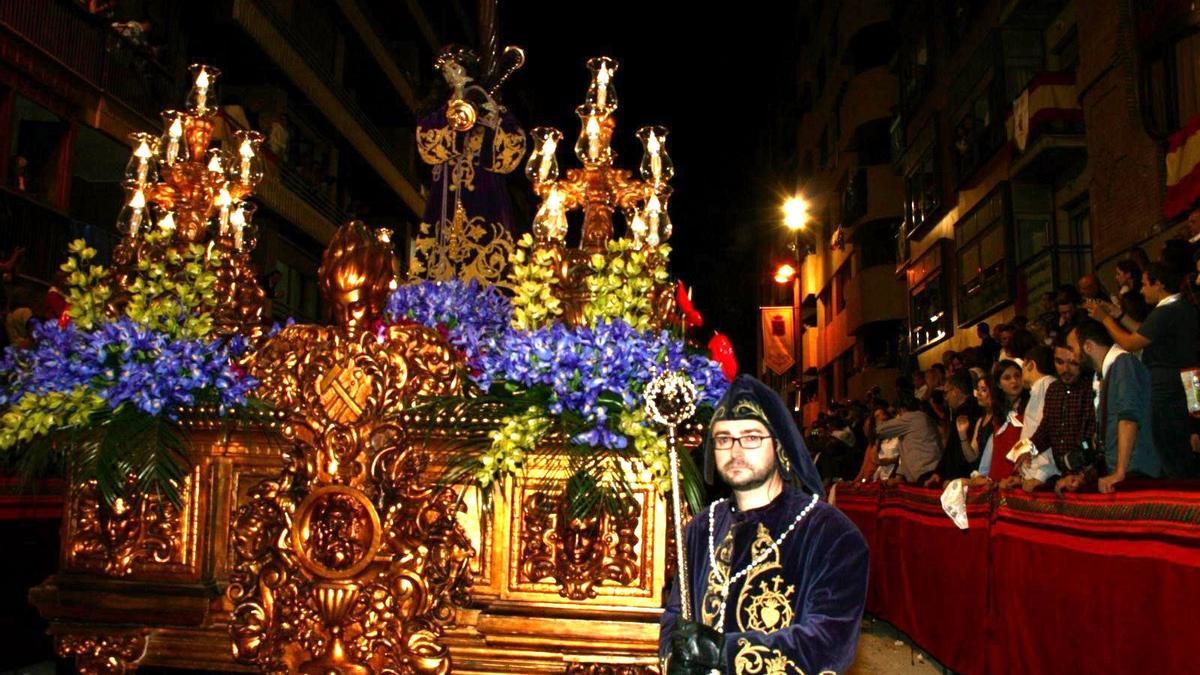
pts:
[507, 151]
[710, 606]
[435, 145]
[765, 602]
[752, 659]
[472, 249]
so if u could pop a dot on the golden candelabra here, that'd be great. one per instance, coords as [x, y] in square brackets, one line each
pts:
[599, 188]
[179, 184]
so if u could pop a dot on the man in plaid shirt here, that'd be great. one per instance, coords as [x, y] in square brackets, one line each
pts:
[1067, 428]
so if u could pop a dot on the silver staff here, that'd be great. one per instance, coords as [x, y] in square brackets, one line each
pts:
[671, 401]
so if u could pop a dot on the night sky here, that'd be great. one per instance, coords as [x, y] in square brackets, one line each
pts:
[720, 82]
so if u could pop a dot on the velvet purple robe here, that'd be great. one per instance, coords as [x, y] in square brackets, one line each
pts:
[797, 612]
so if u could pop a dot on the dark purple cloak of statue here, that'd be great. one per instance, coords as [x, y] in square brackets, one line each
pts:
[466, 228]
[801, 608]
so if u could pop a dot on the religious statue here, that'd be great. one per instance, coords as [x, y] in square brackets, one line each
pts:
[471, 141]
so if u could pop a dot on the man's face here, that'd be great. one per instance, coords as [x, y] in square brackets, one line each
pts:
[1066, 365]
[1153, 292]
[744, 468]
[1066, 312]
[955, 396]
[1005, 338]
[1078, 351]
[1089, 287]
[934, 377]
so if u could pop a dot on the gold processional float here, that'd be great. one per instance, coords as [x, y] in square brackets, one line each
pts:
[316, 537]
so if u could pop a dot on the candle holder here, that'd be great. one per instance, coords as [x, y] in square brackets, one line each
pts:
[597, 189]
[197, 193]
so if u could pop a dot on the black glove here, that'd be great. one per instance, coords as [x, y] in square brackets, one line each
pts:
[695, 649]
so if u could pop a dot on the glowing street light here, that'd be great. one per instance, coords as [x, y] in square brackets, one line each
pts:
[795, 213]
[785, 273]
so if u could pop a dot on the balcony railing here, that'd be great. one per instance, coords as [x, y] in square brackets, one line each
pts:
[44, 233]
[88, 47]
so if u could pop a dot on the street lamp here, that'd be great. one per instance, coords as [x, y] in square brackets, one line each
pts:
[795, 218]
[785, 273]
[795, 213]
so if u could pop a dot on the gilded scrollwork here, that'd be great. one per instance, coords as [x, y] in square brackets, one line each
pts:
[140, 532]
[103, 654]
[350, 561]
[610, 669]
[462, 247]
[579, 553]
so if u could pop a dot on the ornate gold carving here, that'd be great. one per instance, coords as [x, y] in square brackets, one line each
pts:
[752, 659]
[140, 532]
[103, 654]
[470, 248]
[579, 553]
[349, 562]
[610, 669]
[337, 532]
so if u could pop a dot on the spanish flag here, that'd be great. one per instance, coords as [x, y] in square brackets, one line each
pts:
[1183, 168]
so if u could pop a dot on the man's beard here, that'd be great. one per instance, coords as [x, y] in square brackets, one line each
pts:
[755, 480]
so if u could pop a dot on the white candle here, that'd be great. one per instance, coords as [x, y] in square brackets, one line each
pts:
[602, 85]
[224, 199]
[654, 148]
[238, 220]
[137, 203]
[653, 210]
[247, 153]
[173, 136]
[548, 148]
[143, 154]
[593, 136]
[167, 222]
[202, 90]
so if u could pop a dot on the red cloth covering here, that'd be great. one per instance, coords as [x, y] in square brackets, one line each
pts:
[1039, 583]
[1002, 443]
[1096, 583]
[860, 503]
[932, 579]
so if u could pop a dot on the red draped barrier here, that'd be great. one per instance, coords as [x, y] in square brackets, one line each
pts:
[1038, 583]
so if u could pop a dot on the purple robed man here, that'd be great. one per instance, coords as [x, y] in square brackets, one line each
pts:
[777, 576]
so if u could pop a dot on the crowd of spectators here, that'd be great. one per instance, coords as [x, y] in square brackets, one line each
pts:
[1098, 389]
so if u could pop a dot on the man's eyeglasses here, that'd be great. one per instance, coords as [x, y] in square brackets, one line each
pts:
[748, 442]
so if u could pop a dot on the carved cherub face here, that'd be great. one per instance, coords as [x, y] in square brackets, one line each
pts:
[580, 538]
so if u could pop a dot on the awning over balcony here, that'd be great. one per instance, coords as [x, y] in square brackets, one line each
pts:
[1183, 169]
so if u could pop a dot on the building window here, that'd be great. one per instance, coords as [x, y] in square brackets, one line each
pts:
[35, 150]
[983, 91]
[827, 304]
[914, 61]
[854, 199]
[1169, 36]
[841, 282]
[875, 242]
[982, 244]
[873, 142]
[848, 364]
[928, 300]
[923, 184]
[97, 164]
[1074, 250]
